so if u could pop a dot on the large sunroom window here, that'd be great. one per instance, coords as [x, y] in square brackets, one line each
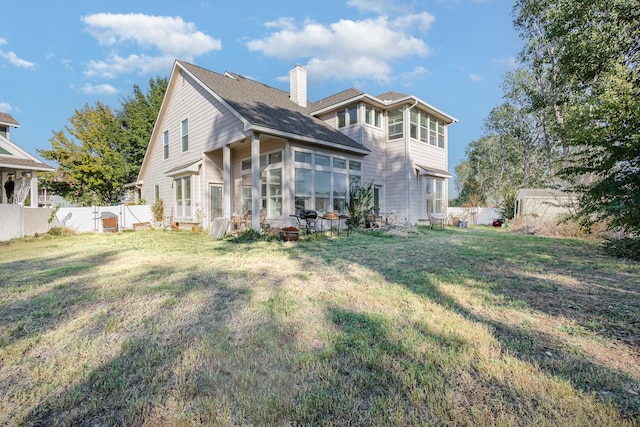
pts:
[270, 183]
[322, 181]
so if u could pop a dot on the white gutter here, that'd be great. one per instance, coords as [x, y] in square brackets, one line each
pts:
[407, 158]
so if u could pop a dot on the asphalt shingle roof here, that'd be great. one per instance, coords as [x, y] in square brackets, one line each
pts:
[262, 105]
[24, 164]
[6, 119]
[336, 99]
[392, 96]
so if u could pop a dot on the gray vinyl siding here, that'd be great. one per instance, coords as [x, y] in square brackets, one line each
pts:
[426, 155]
[211, 126]
[396, 179]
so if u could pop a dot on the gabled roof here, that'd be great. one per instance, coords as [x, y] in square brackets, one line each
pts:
[392, 96]
[7, 120]
[338, 98]
[265, 107]
[14, 157]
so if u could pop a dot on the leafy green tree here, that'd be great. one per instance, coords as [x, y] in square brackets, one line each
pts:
[91, 169]
[598, 66]
[101, 150]
[137, 116]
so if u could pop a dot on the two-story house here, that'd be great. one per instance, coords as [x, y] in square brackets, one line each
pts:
[223, 144]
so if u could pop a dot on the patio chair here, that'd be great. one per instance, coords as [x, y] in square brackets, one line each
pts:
[263, 218]
[436, 220]
[240, 221]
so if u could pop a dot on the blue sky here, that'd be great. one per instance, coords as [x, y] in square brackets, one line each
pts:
[56, 57]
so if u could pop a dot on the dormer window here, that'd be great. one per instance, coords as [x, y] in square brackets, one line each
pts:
[348, 116]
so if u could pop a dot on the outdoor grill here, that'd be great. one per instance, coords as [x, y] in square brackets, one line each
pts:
[307, 214]
[307, 219]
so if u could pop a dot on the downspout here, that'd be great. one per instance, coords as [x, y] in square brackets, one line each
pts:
[407, 158]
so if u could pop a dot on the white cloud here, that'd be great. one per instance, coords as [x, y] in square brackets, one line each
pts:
[103, 89]
[116, 65]
[422, 20]
[13, 58]
[346, 49]
[170, 36]
[475, 77]
[7, 108]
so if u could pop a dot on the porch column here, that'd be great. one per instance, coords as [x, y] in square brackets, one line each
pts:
[255, 182]
[227, 186]
[34, 189]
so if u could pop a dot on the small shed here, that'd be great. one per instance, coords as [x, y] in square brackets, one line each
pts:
[543, 204]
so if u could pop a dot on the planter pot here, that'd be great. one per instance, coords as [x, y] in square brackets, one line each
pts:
[289, 234]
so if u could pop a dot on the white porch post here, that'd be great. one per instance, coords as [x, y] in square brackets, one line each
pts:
[227, 187]
[34, 189]
[255, 182]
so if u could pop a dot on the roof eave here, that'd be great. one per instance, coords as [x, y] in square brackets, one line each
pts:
[289, 135]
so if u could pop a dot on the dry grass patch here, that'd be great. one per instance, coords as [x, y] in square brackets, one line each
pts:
[461, 327]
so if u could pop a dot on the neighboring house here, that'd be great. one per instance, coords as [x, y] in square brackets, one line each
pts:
[18, 169]
[542, 204]
[224, 144]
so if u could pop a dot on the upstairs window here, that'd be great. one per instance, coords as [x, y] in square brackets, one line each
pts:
[395, 124]
[165, 144]
[440, 134]
[424, 127]
[373, 116]
[185, 135]
[348, 116]
[414, 118]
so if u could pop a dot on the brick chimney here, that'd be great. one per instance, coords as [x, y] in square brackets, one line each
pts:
[298, 85]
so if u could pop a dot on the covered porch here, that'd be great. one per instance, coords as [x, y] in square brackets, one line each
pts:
[274, 177]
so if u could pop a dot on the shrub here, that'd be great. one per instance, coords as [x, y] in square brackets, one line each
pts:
[61, 231]
[360, 203]
[157, 210]
[626, 247]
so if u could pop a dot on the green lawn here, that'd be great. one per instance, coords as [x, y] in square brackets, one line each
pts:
[474, 327]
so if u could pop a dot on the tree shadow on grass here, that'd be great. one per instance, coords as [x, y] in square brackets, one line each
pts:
[128, 388]
[23, 318]
[418, 266]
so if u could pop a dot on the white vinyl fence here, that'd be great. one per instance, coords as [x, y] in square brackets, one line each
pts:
[17, 221]
[90, 219]
[479, 216]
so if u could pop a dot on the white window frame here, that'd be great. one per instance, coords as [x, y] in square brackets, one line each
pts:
[433, 190]
[396, 124]
[338, 168]
[185, 135]
[184, 209]
[347, 116]
[373, 116]
[269, 197]
[165, 144]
